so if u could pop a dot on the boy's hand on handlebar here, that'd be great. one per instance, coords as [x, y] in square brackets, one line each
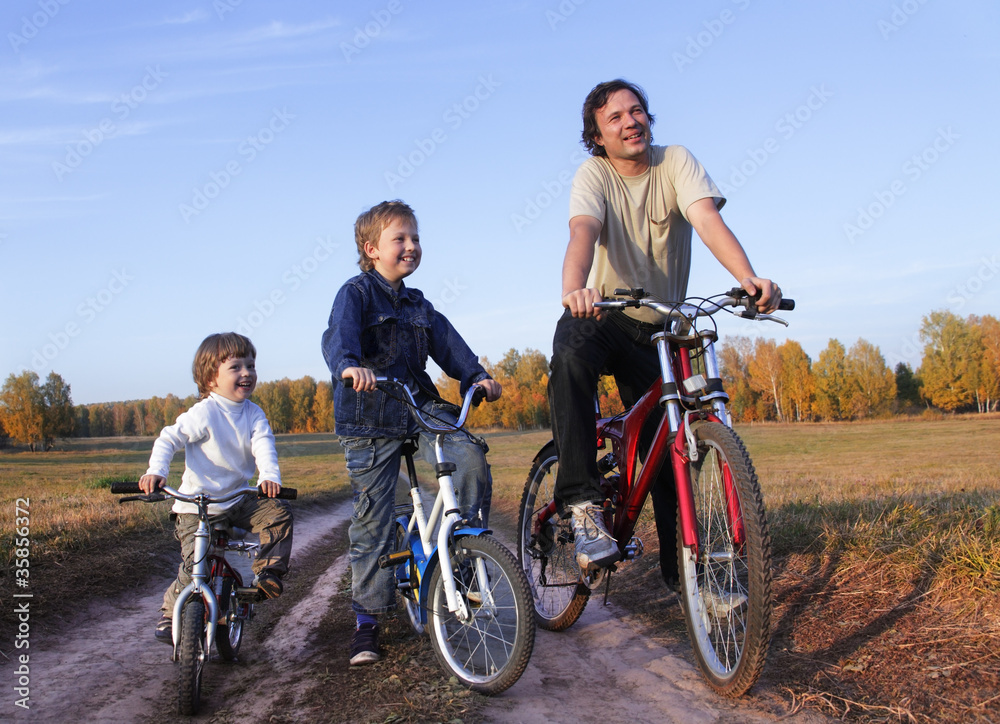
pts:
[770, 293]
[493, 389]
[363, 378]
[580, 303]
[269, 488]
[150, 483]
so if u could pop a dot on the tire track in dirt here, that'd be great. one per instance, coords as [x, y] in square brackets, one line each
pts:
[106, 667]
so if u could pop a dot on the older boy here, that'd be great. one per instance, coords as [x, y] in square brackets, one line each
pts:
[225, 437]
[379, 326]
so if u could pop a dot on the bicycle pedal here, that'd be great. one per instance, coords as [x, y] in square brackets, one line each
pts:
[634, 549]
[394, 559]
[249, 594]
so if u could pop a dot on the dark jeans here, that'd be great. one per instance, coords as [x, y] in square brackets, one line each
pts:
[582, 350]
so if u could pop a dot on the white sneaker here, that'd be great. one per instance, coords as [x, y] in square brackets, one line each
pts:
[720, 605]
[594, 545]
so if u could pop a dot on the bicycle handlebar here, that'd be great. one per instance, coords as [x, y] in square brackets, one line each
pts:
[473, 396]
[132, 488]
[736, 297]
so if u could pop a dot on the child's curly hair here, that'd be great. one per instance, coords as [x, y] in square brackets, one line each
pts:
[369, 226]
[213, 351]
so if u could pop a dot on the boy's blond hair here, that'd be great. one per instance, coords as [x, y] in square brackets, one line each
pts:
[213, 351]
[369, 226]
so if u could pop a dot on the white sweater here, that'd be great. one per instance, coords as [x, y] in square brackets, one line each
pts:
[223, 443]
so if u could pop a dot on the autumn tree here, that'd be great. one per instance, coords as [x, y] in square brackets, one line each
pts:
[870, 386]
[987, 331]
[321, 417]
[734, 360]
[22, 409]
[57, 404]
[950, 366]
[764, 367]
[275, 399]
[797, 380]
[830, 371]
[301, 394]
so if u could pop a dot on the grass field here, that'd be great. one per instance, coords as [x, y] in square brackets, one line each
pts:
[886, 541]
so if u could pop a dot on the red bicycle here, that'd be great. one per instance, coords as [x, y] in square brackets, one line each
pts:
[723, 544]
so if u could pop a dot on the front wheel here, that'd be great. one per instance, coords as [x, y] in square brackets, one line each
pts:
[726, 584]
[546, 549]
[233, 615]
[489, 651]
[191, 656]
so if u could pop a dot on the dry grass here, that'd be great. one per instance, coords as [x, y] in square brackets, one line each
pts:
[886, 557]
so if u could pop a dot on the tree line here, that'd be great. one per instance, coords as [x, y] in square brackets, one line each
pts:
[959, 372]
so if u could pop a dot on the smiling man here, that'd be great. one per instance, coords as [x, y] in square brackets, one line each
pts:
[632, 208]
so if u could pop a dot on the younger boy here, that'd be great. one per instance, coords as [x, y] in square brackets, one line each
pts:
[381, 327]
[225, 437]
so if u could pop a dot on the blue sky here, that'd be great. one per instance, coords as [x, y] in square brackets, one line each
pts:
[173, 169]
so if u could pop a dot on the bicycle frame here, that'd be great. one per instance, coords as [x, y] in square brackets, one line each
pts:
[427, 551]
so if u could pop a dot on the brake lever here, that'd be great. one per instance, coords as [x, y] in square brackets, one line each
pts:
[770, 318]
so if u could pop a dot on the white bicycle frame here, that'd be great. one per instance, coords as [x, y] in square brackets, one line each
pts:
[199, 570]
[445, 503]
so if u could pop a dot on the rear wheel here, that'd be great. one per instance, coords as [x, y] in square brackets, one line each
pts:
[490, 650]
[546, 550]
[191, 656]
[726, 584]
[233, 615]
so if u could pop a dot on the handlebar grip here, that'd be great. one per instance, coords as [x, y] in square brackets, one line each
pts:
[348, 382]
[284, 493]
[787, 304]
[478, 396]
[126, 488]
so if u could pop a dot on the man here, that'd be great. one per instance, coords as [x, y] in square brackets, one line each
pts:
[632, 208]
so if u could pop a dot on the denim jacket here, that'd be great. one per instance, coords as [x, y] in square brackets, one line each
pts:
[373, 326]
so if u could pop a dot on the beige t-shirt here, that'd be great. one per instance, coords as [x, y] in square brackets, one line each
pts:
[645, 236]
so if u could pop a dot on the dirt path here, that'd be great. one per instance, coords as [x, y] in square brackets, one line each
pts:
[107, 668]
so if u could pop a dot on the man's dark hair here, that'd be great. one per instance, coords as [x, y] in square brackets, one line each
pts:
[596, 100]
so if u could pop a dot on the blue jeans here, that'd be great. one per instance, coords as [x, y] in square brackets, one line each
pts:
[373, 465]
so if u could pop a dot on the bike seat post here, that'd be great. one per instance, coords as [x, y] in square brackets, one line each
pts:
[419, 518]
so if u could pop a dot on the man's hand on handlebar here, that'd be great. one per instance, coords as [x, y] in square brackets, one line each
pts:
[580, 303]
[493, 389]
[363, 378]
[151, 483]
[269, 488]
[770, 293]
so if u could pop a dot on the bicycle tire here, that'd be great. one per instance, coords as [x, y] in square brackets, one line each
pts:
[191, 656]
[548, 558]
[409, 569]
[726, 591]
[233, 614]
[490, 651]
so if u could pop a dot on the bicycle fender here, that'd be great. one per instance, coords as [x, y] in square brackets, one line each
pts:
[432, 561]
